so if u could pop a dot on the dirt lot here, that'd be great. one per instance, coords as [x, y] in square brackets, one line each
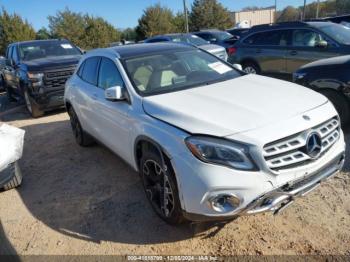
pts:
[88, 201]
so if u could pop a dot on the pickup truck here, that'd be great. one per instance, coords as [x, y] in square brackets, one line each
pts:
[37, 71]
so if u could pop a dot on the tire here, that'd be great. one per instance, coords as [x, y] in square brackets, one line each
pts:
[31, 106]
[165, 202]
[17, 176]
[81, 137]
[341, 104]
[251, 68]
[9, 93]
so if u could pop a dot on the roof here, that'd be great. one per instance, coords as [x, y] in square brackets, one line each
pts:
[289, 24]
[36, 41]
[133, 50]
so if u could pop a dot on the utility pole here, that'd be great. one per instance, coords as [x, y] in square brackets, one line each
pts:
[304, 8]
[275, 11]
[318, 8]
[186, 16]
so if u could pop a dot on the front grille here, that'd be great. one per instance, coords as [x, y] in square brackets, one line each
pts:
[57, 78]
[290, 151]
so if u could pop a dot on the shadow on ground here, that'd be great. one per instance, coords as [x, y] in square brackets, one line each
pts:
[90, 193]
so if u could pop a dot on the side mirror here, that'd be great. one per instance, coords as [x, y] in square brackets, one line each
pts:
[321, 44]
[114, 93]
[238, 67]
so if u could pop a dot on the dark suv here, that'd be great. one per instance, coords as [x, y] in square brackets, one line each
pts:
[38, 70]
[280, 49]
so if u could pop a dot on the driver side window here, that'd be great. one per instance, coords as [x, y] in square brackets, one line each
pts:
[306, 38]
[109, 75]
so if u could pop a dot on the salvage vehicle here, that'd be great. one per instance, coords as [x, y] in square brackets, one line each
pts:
[331, 78]
[280, 49]
[192, 40]
[11, 148]
[209, 141]
[37, 71]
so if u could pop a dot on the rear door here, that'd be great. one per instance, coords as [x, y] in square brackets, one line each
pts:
[304, 48]
[268, 49]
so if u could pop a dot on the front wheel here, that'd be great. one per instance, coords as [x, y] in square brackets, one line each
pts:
[160, 187]
[32, 108]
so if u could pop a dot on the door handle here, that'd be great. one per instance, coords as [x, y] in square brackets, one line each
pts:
[293, 52]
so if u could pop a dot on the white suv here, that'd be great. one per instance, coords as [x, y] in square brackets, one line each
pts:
[208, 141]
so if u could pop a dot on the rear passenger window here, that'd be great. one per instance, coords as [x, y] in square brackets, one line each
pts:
[109, 74]
[272, 38]
[90, 70]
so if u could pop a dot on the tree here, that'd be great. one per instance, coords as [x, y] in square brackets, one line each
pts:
[179, 23]
[209, 14]
[12, 29]
[129, 34]
[155, 20]
[98, 33]
[69, 25]
[84, 31]
[289, 14]
[342, 7]
[42, 34]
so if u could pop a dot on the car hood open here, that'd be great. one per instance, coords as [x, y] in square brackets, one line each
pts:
[232, 106]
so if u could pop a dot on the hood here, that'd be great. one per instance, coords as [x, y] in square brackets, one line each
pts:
[333, 61]
[212, 48]
[233, 106]
[52, 62]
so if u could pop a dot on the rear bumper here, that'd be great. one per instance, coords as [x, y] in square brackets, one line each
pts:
[280, 198]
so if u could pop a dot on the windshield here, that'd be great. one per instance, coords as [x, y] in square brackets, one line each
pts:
[339, 33]
[191, 39]
[36, 50]
[172, 71]
[223, 35]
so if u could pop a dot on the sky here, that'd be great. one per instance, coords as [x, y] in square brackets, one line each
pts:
[120, 13]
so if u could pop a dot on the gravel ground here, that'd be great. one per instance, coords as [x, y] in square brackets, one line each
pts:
[77, 200]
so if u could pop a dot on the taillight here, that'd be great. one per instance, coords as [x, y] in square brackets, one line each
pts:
[231, 50]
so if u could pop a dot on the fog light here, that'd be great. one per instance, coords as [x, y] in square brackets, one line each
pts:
[224, 203]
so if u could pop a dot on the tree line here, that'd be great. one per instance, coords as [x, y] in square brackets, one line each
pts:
[89, 32]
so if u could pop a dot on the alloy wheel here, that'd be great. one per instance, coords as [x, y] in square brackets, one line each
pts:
[158, 188]
[250, 70]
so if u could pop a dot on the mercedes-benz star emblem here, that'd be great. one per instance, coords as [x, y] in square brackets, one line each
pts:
[314, 145]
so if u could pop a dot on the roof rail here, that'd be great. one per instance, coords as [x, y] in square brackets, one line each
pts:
[293, 23]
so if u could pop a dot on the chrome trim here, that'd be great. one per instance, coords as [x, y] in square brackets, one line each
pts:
[278, 199]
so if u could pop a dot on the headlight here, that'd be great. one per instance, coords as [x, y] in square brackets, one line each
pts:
[298, 76]
[35, 76]
[221, 151]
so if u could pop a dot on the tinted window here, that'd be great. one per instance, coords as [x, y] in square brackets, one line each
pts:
[157, 40]
[14, 55]
[274, 38]
[80, 70]
[90, 70]
[109, 75]
[205, 36]
[8, 53]
[305, 38]
[42, 49]
[191, 39]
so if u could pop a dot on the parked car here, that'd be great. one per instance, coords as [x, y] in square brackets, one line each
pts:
[11, 148]
[2, 65]
[192, 40]
[238, 32]
[341, 19]
[37, 71]
[220, 38]
[281, 49]
[331, 78]
[209, 141]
